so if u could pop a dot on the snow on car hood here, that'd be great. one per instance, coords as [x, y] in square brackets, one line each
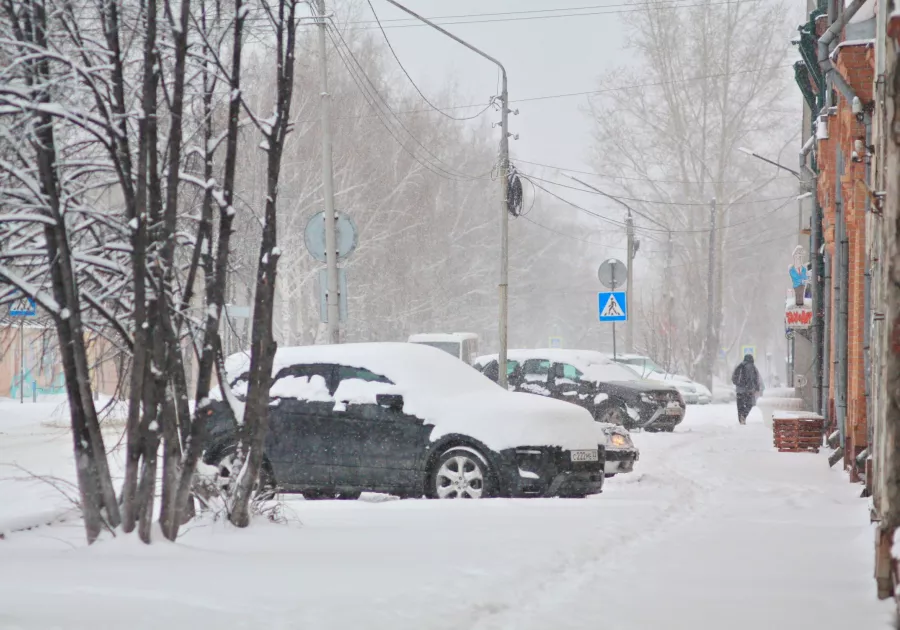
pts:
[440, 389]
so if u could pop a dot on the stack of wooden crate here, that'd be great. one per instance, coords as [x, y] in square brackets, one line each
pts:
[797, 431]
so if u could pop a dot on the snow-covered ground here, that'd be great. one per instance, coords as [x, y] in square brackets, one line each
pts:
[714, 530]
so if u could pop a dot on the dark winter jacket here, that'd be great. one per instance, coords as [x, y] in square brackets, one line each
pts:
[746, 377]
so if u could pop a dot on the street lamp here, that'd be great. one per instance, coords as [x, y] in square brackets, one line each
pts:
[772, 162]
[504, 183]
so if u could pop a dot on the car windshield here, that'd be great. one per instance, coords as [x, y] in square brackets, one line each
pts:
[450, 347]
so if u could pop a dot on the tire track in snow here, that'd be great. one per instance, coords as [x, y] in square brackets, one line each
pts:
[587, 566]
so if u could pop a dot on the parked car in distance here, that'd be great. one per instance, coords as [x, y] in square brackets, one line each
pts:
[723, 392]
[611, 392]
[409, 420]
[462, 345]
[692, 392]
[705, 396]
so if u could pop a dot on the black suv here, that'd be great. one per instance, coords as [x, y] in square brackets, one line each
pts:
[611, 392]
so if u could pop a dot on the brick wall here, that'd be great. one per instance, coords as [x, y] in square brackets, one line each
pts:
[856, 64]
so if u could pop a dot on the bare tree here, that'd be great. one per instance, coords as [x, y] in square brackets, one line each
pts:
[709, 86]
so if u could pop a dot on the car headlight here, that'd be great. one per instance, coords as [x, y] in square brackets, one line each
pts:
[617, 439]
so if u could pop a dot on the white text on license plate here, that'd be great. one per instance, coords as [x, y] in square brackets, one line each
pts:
[585, 456]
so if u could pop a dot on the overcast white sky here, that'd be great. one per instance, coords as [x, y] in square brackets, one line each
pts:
[543, 56]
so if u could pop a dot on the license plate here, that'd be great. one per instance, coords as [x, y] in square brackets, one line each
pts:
[585, 456]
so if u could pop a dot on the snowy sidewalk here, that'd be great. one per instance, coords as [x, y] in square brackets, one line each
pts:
[714, 530]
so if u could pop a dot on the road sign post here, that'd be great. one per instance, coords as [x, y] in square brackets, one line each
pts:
[344, 233]
[613, 304]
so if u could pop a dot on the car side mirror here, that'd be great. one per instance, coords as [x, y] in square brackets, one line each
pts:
[393, 402]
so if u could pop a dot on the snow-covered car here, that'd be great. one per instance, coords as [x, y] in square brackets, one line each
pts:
[646, 368]
[723, 392]
[687, 389]
[407, 419]
[704, 396]
[621, 453]
[612, 393]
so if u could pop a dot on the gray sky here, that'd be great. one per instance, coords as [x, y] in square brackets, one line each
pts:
[543, 56]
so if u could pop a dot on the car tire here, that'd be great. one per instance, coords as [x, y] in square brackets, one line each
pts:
[669, 429]
[609, 475]
[224, 462]
[461, 473]
[612, 413]
[349, 496]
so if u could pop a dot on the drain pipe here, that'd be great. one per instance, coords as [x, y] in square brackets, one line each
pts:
[808, 183]
[841, 270]
[828, 37]
[826, 335]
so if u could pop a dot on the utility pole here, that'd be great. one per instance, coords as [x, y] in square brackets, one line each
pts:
[629, 324]
[669, 301]
[504, 187]
[711, 295]
[504, 231]
[333, 308]
[632, 250]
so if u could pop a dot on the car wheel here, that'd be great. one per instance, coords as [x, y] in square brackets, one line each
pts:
[461, 473]
[609, 475]
[669, 429]
[612, 413]
[226, 469]
[349, 496]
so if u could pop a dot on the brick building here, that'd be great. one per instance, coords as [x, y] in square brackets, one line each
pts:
[837, 78]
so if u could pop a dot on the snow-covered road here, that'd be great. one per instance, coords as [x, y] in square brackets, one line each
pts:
[714, 530]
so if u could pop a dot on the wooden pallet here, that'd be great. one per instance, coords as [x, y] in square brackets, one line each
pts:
[797, 432]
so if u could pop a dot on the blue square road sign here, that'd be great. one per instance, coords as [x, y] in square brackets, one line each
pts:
[613, 306]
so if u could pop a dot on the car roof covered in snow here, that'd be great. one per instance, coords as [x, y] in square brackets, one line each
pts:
[400, 362]
[595, 365]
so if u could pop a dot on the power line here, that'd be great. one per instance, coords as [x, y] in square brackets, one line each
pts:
[577, 207]
[523, 12]
[569, 236]
[447, 173]
[424, 98]
[643, 7]
[664, 231]
[645, 179]
[655, 201]
[575, 94]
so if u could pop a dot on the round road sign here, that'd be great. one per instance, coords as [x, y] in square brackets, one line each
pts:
[612, 273]
[345, 236]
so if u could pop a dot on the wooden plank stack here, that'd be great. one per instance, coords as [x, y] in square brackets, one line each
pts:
[797, 431]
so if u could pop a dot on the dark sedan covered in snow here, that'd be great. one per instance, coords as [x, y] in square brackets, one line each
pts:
[408, 420]
[611, 393]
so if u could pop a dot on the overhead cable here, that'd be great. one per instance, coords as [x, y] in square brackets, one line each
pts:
[403, 68]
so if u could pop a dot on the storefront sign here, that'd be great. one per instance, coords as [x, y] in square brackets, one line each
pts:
[798, 317]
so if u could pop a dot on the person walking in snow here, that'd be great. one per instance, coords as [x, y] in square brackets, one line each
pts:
[748, 385]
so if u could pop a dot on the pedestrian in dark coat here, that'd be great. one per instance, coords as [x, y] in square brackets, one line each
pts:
[748, 386]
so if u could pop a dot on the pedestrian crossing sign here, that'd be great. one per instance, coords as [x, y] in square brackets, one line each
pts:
[613, 306]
